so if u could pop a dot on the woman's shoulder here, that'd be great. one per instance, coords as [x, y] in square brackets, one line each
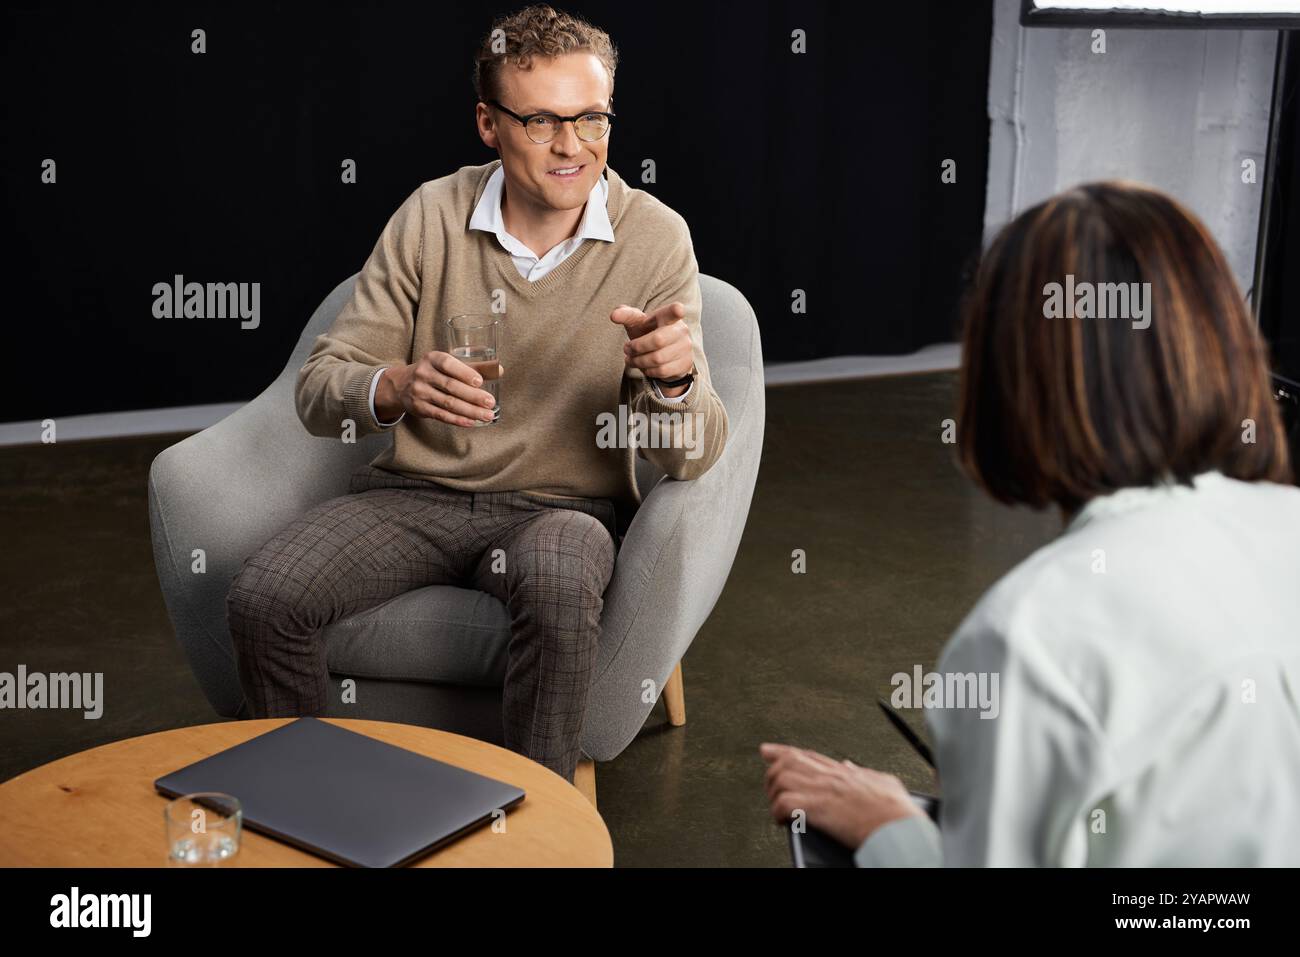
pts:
[1141, 562]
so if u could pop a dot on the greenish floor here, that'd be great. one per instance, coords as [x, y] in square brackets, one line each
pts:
[898, 547]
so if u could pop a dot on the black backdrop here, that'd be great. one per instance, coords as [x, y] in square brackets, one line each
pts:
[1279, 305]
[818, 171]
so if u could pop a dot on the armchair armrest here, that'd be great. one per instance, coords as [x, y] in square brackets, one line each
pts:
[673, 564]
[228, 489]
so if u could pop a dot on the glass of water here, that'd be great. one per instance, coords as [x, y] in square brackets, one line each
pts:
[203, 829]
[476, 341]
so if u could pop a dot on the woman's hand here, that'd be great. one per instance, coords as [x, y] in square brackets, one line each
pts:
[839, 798]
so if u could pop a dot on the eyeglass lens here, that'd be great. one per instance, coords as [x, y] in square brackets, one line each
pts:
[542, 129]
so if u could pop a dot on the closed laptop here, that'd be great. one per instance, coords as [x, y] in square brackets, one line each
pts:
[345, 796]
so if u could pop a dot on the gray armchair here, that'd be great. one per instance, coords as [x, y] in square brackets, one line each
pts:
[435, 656]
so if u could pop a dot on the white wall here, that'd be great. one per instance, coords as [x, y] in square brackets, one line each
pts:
[1178, 109]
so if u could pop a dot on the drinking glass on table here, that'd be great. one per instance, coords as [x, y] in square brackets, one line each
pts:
[203, 829]
[476, 341]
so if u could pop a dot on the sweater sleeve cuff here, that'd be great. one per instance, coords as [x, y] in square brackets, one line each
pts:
[907, 842]
[688, 401]
[356, 398]
[675, 399]
[374, 385]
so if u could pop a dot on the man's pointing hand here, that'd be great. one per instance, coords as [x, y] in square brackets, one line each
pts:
[659, 344]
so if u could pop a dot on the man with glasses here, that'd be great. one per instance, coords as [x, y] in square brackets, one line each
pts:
[597, 286]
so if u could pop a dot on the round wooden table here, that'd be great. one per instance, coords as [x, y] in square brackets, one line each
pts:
[99, 808]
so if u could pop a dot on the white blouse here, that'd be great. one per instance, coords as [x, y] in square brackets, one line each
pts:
[1149, 685]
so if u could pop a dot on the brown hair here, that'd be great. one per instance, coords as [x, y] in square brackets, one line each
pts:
[1057, 409]
[542, 31]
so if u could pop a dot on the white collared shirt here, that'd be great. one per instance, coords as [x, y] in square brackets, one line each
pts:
[595, 225]
[488, 218]
[1149, 694]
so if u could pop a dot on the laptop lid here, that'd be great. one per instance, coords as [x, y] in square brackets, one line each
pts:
[345, 796]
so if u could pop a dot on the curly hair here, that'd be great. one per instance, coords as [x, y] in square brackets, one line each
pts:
[539, 30]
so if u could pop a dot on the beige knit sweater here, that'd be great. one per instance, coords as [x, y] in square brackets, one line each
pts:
[561, 430]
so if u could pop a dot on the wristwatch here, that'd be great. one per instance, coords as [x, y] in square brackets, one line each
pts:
[679, 381]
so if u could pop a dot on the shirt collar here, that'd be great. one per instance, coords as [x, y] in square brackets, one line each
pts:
[595, 218]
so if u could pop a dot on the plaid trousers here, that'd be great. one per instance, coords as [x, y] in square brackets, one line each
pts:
[391, 534]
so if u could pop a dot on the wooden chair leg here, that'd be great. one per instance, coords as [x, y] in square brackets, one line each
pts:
[584, 779]
[675, 698]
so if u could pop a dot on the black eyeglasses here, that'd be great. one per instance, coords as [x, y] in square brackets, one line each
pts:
[542, 127]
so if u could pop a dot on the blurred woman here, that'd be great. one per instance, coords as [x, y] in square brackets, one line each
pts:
[1149, 658]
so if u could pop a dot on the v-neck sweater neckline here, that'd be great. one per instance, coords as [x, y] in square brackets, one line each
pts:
[532, 290]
